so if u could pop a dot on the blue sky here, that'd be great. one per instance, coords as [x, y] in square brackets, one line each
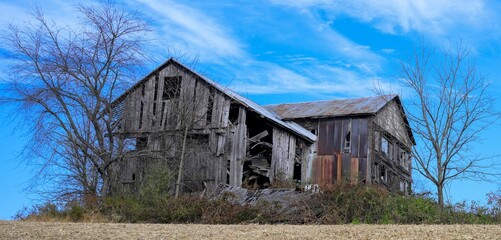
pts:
[288, 51]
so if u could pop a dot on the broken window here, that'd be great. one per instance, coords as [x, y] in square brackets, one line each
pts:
[347, 142]
[384, 145]
[133, 144]
[141, 143]
[383, 175]
[129, 144]
[402, 186]
[377, 141]
[233, 114]
[172, 87]
[404, 158]
[407, 162]
[314, 131]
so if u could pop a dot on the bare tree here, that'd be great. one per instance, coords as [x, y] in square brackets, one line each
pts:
[448, 109]
[64, 80]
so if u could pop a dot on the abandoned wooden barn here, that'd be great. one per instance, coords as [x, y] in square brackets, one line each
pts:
[178, 118]
[359, 140]
[229, 138]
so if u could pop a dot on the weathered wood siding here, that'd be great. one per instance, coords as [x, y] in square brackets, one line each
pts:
[147, 110]
[154, 109]
[238, 136]
[283, 154]
[391, 119]
[155, 113]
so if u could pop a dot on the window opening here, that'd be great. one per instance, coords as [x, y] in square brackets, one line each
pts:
[172, 87]
[383, 174]
[141, 143]
[314, 131]
[347, 142]
[384, 145]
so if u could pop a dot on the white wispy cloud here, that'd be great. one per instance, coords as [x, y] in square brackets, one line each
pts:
[314, 78]
[437, 17]
[193, 30]
[196, 31]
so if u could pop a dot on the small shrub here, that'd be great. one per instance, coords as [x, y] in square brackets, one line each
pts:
[76, 213]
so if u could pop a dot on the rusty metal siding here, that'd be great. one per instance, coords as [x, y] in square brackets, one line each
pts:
[345, 166]
[350, 166]
[354, 173]
[362, 169]
[323, 169]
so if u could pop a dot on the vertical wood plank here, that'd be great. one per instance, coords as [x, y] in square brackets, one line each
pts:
[364, 138]
[291, 156]
[354, 170]
[339, 167]
[329, 141]
[338, 127]
[225, 112]
[355, 137]
[137, 115]
[322, 138]
[201, 104]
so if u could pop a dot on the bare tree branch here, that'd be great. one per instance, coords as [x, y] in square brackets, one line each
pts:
[63, 81]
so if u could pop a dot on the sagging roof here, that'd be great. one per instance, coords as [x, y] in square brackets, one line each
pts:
[250, 105]
[332, 108]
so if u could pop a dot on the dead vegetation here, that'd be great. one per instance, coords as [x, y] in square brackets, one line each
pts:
[334, 204]
[45, 230]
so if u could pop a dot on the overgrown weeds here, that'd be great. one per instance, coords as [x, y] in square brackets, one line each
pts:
[336, 204]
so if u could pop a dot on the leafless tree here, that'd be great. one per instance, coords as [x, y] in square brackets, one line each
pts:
[64, 79]
[448, 108]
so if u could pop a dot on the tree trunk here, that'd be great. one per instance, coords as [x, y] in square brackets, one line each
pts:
[181, 162]
[440, 193]
[105, 187]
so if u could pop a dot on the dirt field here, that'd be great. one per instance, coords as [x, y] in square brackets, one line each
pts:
[32, 230]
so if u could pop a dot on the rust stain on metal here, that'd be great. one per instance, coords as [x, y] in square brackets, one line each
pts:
[323, 169]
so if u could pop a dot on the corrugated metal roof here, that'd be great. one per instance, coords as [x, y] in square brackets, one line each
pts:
[270, 115]
[332, 108]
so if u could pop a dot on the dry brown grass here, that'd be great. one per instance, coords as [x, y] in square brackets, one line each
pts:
[51, 230]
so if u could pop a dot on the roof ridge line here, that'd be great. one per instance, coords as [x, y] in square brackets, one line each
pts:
[331, 100]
